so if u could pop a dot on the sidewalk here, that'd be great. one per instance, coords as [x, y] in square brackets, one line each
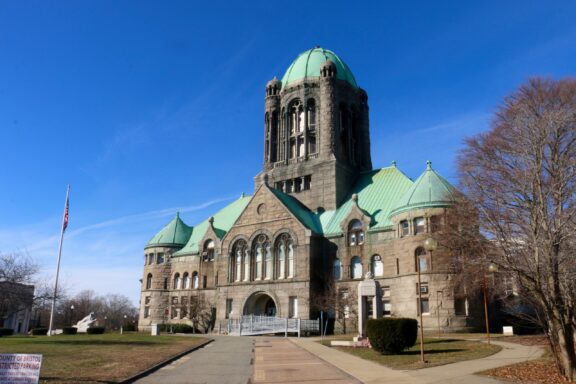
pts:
[463, 372]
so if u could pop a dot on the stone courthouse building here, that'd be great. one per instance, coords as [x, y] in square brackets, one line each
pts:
[320, 219]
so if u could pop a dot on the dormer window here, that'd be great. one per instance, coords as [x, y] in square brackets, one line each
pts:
[355, 233]
[208, 253]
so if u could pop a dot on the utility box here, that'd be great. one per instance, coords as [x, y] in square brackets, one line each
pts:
[155, 329]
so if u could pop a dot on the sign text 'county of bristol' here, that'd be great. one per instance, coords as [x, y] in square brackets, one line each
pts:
[20, 368]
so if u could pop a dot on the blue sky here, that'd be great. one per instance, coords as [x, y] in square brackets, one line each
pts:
[148, 107]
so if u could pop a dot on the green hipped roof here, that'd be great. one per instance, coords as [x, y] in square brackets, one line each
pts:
[223, 221]
[176, 233]
[430, 190]
[303, 214]
[307, 65]
[377, 192]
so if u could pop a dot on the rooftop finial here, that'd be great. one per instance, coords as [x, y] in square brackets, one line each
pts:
[242, 195]
[177, 214]
[355, 198]
[428, 164]
[394, 163]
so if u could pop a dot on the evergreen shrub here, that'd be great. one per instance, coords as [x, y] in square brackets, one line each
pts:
[6, 332]
[39, 331]
[180, 328]
[69, 331]
[390, 336]
[95, 330]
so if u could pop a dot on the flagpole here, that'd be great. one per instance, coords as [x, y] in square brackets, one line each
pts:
[64, 224]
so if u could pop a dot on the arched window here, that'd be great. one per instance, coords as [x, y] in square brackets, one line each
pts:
[195, 280]
[149, 281]
[355, 233]
[290, 259]
[239, 257]
[281, 260]
[268, 262]
[261, 247]
[311, 110]
[296, 129]
[422, 260]
[186, 278]
[356, 268]
[337, 269]
[284, 256]
[376, 266]
[208, 253]
[177, 281]
[246, 264]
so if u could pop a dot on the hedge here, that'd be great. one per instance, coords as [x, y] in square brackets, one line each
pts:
[95, 330]
[177, 328]
[40, 331]
[6, 332]
[392, 335]
[69, 330]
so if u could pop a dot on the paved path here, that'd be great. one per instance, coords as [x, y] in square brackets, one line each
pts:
[227, 360]
[462, 372]
[278, 360]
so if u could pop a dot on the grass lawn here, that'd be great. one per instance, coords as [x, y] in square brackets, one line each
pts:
[437, 352]
[107, 358]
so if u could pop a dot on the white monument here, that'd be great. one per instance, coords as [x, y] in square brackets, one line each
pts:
[369, 303]
[85, 323]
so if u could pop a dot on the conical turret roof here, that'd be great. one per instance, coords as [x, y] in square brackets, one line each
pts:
[175, 234]
[430, 190]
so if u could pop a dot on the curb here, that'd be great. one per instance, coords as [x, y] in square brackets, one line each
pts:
[163, 363]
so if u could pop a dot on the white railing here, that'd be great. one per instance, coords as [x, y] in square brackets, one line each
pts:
[260, 325]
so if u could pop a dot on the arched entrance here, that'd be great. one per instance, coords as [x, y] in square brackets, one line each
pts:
[260, 304]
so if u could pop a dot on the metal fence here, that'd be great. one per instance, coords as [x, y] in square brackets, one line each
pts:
[261, 325]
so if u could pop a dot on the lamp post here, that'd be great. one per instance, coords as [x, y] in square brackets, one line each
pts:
[430, 245]
[72, 314]
[491, 269]
[122, 325]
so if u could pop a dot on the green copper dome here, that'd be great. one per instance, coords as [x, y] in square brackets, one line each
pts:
[176, 233]
[430, 190]
[307, 65]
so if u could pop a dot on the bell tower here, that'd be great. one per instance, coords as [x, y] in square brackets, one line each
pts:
[316, 131]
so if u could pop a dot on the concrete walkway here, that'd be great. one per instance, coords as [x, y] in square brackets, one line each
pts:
[227, 360]
[278, 360]
[463, 372]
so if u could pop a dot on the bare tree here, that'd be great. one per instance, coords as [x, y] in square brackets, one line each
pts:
[200, 313]
[337, 302]
[521, 178]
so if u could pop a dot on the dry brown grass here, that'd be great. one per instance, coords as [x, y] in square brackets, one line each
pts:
[108, 358]
[437, 352]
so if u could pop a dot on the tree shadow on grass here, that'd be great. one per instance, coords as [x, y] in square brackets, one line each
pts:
[433, 351]
[436, 341]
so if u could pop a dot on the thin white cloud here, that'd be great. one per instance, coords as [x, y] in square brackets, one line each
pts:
[139, 217]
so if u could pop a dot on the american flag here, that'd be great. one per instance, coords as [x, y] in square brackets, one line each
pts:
[65, 224]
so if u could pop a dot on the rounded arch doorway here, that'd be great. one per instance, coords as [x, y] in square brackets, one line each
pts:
[260, 304]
